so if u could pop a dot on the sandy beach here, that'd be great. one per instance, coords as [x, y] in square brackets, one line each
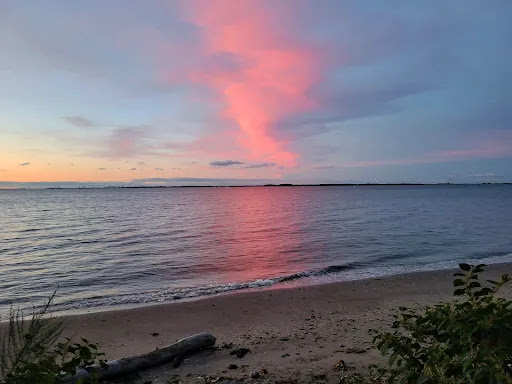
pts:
[294, 335]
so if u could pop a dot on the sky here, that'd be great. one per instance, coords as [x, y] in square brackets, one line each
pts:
[167, 92]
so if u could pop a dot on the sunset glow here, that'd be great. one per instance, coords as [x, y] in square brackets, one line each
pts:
[253, 92]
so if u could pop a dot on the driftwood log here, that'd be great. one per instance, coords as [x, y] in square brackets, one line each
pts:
[178, 350]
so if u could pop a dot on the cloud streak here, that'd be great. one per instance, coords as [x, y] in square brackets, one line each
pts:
[225, 163]
[260, 165]
[486, 175]
[80, 121]
[320, 167]
[23, 164]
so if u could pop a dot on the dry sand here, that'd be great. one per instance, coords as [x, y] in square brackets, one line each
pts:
[295, 334]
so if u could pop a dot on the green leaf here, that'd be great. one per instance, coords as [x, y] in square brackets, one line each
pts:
[423, 380]
[465, 267]
[483, 292]
[474, 284]
[392, 358]
[459, 292]
[458, 282]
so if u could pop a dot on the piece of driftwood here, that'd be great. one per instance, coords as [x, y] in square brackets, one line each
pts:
[159, 356]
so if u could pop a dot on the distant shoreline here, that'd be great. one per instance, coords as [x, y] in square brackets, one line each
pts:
[270, 185]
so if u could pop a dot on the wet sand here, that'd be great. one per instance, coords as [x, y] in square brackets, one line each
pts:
[296, 334]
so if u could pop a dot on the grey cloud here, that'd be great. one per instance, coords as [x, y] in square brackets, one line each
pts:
[132, 169]
[102, 169]
[325, 167]
[225, 163]
[342, 103]
[80, 121]
[260, 165]
[159, 169]
[24, 164]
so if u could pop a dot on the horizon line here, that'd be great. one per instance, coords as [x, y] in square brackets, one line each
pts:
[368, 184]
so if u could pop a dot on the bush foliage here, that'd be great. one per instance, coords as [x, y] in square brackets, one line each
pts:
[468, 341]
[29, 352]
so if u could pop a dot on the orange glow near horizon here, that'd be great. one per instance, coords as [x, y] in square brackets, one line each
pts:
[267, 76]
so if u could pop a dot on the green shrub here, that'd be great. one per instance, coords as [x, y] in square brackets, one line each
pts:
[29, 353]
[468, 341]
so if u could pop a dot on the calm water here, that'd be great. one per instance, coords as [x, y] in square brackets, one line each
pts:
[123, 246]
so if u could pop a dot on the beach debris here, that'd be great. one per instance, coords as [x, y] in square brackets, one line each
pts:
[355, 350]
[240, 352]
[340, 366]
[255, 375]
[284, 338]
[232, 366]
[227, 346]
[155, 334]
[174, 352]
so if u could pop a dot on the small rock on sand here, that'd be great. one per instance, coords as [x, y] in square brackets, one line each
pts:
[255, 375]
[240, 352]
[355, 350]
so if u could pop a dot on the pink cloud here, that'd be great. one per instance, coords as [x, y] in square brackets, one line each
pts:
[260, 73]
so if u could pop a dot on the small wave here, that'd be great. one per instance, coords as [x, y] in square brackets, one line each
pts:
[350, 271]
[173, 294]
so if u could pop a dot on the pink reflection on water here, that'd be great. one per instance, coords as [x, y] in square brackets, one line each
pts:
[261, 238]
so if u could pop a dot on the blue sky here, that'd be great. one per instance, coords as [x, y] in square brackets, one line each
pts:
[299, 91]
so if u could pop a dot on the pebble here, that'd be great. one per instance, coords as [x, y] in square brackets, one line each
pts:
[255, 375]
[240, 352]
